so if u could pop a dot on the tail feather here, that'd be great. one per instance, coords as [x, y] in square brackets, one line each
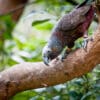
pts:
[86, 2]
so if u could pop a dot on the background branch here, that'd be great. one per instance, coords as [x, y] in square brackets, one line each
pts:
[7, 6]
[17, 8]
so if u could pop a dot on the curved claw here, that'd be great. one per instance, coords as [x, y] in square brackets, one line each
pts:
[46, 60]
[85, 42]
[63, 57]
[65, 54]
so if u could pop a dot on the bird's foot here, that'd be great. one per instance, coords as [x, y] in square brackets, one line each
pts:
[65, 54]
[85, 42]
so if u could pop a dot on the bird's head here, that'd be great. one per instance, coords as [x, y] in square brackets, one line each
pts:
[50, 52]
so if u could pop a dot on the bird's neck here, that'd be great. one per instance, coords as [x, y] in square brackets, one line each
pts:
[55, 42]
[59, 38]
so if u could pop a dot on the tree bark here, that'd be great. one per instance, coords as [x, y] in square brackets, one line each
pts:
[35, 75]
[27, 75]
[8, 5]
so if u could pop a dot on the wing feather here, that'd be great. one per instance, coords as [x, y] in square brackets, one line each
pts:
[73, 19]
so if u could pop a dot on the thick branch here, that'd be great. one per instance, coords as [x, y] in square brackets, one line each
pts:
[35, 75]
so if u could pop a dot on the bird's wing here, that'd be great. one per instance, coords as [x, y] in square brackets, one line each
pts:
[73, 19]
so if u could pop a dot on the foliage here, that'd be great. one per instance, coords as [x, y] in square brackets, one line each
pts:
[22, 48]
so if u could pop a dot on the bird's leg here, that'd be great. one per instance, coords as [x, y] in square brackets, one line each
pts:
[86, 40]
[66, 52]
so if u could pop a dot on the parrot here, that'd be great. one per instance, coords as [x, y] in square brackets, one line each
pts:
[69, 28]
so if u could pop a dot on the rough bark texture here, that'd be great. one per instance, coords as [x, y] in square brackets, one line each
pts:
[35, 75]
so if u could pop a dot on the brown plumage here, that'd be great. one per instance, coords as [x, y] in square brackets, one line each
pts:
[69, 28]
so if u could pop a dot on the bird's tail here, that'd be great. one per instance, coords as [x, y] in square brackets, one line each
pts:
[86, 2]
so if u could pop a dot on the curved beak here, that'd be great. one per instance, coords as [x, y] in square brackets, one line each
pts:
[46, 60]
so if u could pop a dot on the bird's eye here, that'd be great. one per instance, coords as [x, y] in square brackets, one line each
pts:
[49, 51]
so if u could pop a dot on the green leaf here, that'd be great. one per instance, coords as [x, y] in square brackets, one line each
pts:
[37, 22]
[74, 95]
[87, 95]
[45, 26]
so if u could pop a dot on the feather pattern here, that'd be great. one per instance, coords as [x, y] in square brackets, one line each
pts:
[67, 34]
[69, 28]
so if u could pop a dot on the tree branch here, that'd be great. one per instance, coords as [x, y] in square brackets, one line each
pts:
[16, 8]
[7, 6]
[27, 75]
[35, 75]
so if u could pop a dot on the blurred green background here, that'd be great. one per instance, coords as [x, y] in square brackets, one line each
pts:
[24, 42]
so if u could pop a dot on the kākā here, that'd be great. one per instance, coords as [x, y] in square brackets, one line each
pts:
[68, 29]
